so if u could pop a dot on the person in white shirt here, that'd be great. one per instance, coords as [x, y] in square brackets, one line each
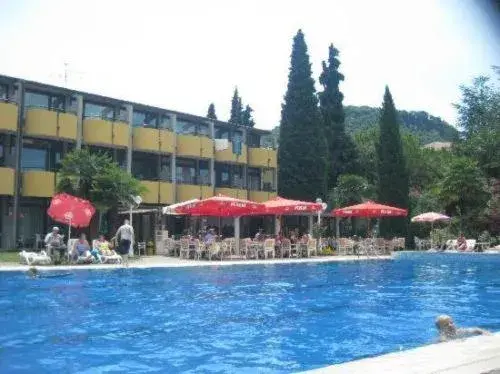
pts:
[125, 237]
[55, 244]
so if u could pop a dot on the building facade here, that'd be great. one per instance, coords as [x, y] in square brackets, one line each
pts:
[177, 156]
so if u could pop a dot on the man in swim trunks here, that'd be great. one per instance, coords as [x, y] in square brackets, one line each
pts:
[448, 331]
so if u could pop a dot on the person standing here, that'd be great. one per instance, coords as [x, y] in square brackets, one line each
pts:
[125, 237]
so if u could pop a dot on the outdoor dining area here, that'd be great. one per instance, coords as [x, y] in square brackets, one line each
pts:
[208, 243]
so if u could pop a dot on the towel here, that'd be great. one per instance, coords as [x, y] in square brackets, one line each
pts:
[221, 144]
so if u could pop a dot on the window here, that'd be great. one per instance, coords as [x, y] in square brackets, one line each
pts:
[120, 157]
[41, 100]
[98, 111]
[186, 171]
[143, 119]
[122, 115]
[253, 140]
[145, 166]
[204, 172]
[4, 92]
[165, 122]
[73, 105]
[41, 155]
[222, 133]
[237, 176]
[222, 176]
[165, 169]
[185, 128]
[254, 179]
[237, 137]
[203, 130]
[268, 180]
[33, 99]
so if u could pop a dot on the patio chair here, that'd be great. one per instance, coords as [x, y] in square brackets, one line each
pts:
[345, 247]
[184, 248]
[231, 244]
[170, 247]
[286, 246]
[311, 247]
[214, 249]
[225, 249]
[199, 249]
[380, 246]
[34, 258]
[253, 248]
[471, 244]
[268, 247]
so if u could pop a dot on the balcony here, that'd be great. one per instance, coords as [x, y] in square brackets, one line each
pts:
[167, 141]
[192, 191]
[262, 157]
[166, 193]
[8, 116]
[261, 196]
[151, 196]
[237, 193]
[227, 155]
[38, 183]
[146, 139]
[195, 146]
[6, 181]
[105, 132]
[50, 123]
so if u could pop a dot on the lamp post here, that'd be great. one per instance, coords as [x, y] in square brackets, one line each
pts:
[319, 201]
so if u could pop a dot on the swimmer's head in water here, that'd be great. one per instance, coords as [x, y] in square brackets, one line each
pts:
[445, 325]
[33, 272]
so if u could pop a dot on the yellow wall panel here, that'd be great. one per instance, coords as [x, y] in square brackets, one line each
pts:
[227, 155]
[146, 139]
[232, 192]
[262, 157]
[8, 116]
[40, 121]
[167, 141]
[120, 134]
[97, 131]
[166, 193]
[6, 181]
[259, 196]
[207, 147]
[152, 193]
[188, 145]
[38, 183]
[207, 191]
[188, 192]
[67, 125]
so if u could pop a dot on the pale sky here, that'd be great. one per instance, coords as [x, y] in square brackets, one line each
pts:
[182, 55]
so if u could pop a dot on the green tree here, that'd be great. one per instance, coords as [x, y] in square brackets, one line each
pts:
[95, 177]
[302, 150]
[464, 191]
[393, 187]
[479, 117]
[246, 117]
[342, 155]
[211, 112]
[351, 189]
[366, 145]
[236, 108]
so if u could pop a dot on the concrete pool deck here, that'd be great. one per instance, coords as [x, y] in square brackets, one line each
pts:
[476, 355]
[174, 262]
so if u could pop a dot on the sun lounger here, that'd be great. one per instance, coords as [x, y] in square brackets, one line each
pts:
[111, 257]
[33, 258]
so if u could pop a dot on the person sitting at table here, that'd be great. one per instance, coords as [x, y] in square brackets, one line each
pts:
[55, 244]
[259, 236]
[279, 238]
[209, 237]
[81, 250]
[305, 238]
[294, 236]
[461, 243]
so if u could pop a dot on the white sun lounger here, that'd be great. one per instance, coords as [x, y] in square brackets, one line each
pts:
[115, 258]
[33, 258]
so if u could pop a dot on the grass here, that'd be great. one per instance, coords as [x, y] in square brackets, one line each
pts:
[9, 256]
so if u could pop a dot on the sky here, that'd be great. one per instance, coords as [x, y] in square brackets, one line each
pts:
[183, 55]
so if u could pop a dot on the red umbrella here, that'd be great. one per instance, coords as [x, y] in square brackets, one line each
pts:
[71, 210]
[221, 206]
[279, 206]
[370, 209]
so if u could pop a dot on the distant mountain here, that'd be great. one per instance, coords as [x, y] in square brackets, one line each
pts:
[357, 118]
[427, 127]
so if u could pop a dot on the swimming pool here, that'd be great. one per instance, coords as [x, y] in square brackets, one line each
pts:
[245, 319]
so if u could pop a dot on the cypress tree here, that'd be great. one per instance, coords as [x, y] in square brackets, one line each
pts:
[246, 117]
[211, 111]
[236, 109]
[302, 147]
[393, 188]
[342, 154]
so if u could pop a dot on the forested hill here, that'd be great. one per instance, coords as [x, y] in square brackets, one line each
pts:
[427, 127]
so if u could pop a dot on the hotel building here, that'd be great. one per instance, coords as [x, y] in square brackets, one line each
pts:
[177, 156]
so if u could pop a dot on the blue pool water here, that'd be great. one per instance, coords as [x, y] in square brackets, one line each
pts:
[245, 319]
